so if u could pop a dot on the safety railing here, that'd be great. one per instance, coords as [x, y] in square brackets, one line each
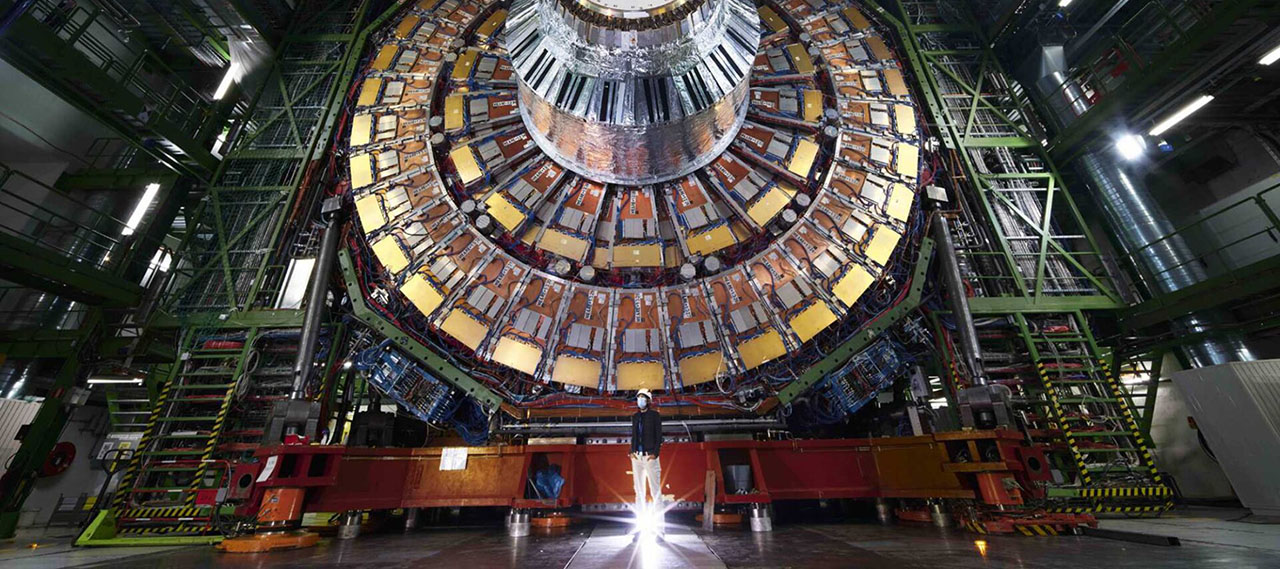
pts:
[1243, 233]
[1112, 59]
[90, 31]
[78, 228]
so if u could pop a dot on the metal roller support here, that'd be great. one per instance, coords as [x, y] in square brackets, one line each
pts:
[519, 523]
[959, 300]
[761, 521]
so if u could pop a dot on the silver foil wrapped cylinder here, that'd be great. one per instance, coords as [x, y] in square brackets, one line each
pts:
[633, 91]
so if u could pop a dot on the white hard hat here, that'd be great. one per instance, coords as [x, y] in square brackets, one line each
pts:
[644, 393]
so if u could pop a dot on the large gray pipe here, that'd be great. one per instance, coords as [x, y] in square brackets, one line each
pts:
[959, 300]
[317, 290]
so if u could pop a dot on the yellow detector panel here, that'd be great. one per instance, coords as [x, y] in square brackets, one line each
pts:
[772, 20]
[361, 170]
[701, 369]
[563, 244]
[802, 159]
[361, 129]
[768, 206]
[908, 160]
[637, 256]
[453, 112]
[420, 292]
[505, 213]
[517, 355]
[711, 241]
[465, 162]
[856, 18]
[406, 27]
[388, 252]
[882, 244]
[640, 375]
[812, 105]
[486, 30]
[800, 58]
[851, 286]
[576, 371]
[812, 320]
[761, 349]
[463, 328]
[462, 67]
[369, 209]
[897, 87]
[385, 57]
[879, 49]
[369, 92]
[900, 198]
[904, 119]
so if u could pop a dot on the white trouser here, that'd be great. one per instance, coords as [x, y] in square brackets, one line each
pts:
[646, 467]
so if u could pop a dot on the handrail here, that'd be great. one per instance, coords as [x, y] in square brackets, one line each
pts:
[1134, 45]
[63, 223]
[1271, 227]
[84, 30]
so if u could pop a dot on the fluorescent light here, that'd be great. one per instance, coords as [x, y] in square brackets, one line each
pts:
[115, 380]
[1063, 3]
[1182, 113]
[141, 209]
[1271, 56]
[1131, 146]
[233, 73]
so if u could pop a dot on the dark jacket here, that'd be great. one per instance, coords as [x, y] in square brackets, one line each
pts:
[646, 432]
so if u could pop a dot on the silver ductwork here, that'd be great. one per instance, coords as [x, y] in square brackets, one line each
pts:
[1164, 261]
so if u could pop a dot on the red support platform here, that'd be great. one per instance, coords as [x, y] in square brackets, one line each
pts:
[342, 478]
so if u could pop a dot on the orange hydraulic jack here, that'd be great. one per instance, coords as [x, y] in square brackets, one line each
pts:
[278, 516]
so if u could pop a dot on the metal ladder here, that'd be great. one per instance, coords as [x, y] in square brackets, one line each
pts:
[1083, 399]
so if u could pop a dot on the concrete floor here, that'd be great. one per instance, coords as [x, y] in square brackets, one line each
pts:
[1211, 537]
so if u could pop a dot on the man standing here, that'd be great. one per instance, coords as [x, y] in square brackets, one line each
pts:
[646, 442]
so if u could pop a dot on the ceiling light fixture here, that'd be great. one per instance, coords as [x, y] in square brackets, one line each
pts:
[1181, 114]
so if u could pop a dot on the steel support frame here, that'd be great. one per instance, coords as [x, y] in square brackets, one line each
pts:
[27, 41]
[269, 163]
[1068, 143]
[1058, 209]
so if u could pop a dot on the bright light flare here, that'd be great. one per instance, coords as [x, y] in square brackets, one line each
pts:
[232, 75]
[141, 209]
[1271, 57]
[981, 544]
[1181, 114]
[1131, 147]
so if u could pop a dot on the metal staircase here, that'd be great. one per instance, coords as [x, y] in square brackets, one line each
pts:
[172, 483]
[1086, 403]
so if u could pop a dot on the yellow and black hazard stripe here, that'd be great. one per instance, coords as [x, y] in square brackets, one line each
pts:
[172, 512]
[1117, 392]
[215, 433]
[135, 462]
[1113, 509]
[1085, 476]
[169, 529]
[1127, 492]
[1036, 529]
[975, 526]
